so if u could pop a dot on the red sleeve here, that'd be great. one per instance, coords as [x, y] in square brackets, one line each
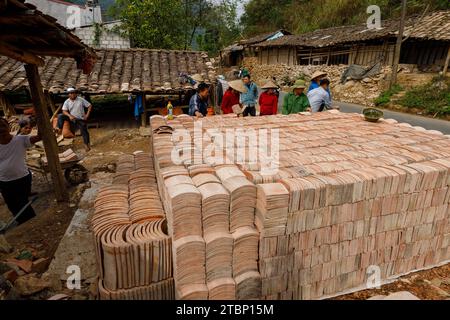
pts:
[225, 102]
[261, 99]
[275, 105]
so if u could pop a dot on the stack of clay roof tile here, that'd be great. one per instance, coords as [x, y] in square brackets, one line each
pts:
[348, 195]
[115, 71]
[134, 252]
[203, 204]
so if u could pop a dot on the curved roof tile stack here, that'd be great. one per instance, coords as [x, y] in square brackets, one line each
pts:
[211, 244]
[134, 252]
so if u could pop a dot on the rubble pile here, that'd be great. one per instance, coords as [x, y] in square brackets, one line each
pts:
[353, 91]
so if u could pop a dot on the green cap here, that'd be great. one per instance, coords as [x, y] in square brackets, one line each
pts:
[299, 84]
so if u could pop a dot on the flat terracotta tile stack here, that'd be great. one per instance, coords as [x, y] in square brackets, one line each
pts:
[348, 194]
[134, 252]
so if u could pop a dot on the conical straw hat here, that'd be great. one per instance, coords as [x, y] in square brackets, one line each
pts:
[238, 85]
[269, 85]
[197, 77]
[318, 74]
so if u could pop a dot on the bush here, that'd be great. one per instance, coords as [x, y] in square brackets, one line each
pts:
[433, 98]
[385, 97]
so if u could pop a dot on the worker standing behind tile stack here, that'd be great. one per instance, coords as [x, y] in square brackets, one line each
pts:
[248, 99]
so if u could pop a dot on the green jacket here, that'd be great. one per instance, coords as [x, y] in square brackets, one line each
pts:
[295, 104]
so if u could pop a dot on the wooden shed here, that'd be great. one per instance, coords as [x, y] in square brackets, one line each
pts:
[235, 53]
[27, 35]
[426, 43]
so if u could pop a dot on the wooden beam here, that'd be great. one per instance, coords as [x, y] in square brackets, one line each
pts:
[447, 61]
[20, 55]
[46, 131]
[144, 114]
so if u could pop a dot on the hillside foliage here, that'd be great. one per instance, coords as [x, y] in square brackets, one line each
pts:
[299, 16]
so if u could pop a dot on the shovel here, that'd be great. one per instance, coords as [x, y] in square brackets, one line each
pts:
[5, 227]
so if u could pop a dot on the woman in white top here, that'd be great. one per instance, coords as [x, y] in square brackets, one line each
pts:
[15, 178]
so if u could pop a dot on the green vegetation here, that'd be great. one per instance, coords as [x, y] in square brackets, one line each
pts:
[385, 97]
[432, 98]
[300, 16]
[175, 24]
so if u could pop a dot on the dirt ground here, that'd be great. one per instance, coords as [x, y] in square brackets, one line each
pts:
[42, 235]
[433, 284]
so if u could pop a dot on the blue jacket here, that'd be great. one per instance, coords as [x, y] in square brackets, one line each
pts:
[251, 96]
[315, 85]
[197, 104]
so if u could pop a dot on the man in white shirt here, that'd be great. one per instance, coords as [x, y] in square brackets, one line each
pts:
[74, 112]
[15, 178]
[319, 98]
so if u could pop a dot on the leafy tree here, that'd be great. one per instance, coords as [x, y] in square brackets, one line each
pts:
[175, 24]
[221, 27]
[152, 23]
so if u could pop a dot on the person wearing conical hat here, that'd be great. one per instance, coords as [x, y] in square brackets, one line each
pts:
[315, 81]
[268, 100]
[231, 96]
[319, 98]
[197, 79]
[296, 101]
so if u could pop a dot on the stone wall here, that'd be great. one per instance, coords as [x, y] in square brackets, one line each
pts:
[108, 38]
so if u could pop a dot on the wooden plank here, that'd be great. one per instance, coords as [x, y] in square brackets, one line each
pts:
[144, 114]
[18, 54]
[48, 137]
[50, 102]
[446, 62]
[289, 56]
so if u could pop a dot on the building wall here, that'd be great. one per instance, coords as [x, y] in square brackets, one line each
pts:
[69, 15]
[425, 53]
[278, 56]
[108, 39]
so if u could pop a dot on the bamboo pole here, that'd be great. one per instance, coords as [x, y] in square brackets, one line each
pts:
[398, 46]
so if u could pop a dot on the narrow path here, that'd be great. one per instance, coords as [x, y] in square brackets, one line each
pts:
[427, 123]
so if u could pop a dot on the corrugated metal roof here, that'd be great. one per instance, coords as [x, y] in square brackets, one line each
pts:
[262, 37]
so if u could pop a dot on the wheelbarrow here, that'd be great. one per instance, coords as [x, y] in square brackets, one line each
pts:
[74, 172]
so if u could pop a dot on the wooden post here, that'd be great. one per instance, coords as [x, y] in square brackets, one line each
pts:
[50, 102]
[329, 56]
[144, 114]
[45, 129]
[8, 109]
[447, 61]
[398, 46]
